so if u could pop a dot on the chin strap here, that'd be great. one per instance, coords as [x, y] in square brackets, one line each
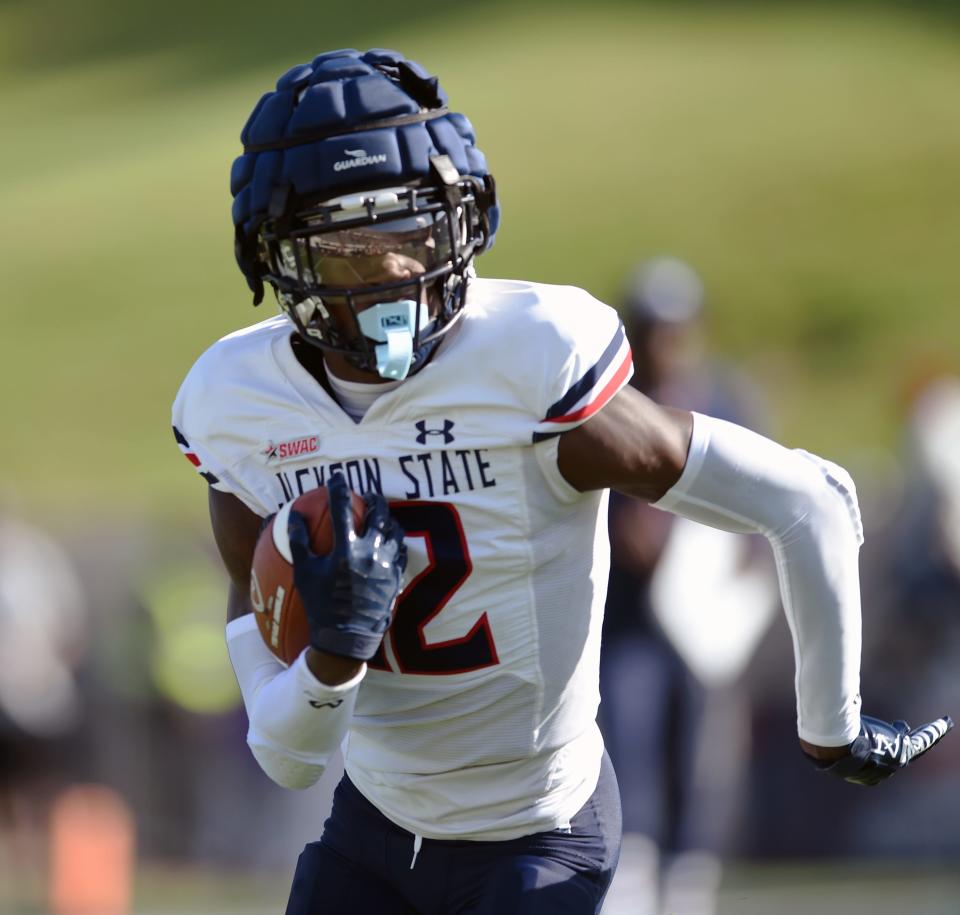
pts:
[393, 325]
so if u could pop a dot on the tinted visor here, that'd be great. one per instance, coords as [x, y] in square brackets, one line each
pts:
[389, 251]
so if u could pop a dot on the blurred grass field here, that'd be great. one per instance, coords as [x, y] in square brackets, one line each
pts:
[747, 889]
[804, 159]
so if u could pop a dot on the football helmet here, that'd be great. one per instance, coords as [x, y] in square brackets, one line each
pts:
[363, 201]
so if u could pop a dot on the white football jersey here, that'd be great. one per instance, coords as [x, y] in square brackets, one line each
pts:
[476, 718]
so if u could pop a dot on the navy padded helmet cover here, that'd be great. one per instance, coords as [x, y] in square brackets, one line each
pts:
[342, 88]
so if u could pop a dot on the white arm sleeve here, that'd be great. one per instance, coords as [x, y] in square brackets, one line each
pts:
[296, 722]
[737, 480]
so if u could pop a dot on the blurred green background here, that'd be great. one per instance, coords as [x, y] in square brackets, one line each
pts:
[803, 158]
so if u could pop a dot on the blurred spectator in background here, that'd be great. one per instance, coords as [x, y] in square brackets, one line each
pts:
[43, 618]
[686, 607]
[912, 633]
[924, 541]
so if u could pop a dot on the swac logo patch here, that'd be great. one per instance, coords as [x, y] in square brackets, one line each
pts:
[274, 453]
[423, 431]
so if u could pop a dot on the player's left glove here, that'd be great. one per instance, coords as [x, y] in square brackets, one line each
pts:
[349, 594]
[882, 749]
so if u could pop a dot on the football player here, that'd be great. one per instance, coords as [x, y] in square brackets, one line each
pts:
[487, 420]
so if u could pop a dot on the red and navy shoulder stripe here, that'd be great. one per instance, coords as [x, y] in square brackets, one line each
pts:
[191, 456]
[591, 391]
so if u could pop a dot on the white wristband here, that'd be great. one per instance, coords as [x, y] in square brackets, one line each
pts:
[737, 480]
[297, 723]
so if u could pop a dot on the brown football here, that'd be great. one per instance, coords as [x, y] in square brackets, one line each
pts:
[279, 613]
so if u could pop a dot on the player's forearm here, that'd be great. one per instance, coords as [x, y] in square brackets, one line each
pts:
[297, 722]
[737, 480]
[331, 669]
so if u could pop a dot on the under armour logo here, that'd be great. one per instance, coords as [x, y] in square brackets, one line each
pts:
[335, 704]
[424, 431]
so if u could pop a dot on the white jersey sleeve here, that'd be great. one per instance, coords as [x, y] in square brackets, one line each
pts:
[590, 362]
[202, 458]
[221, 403]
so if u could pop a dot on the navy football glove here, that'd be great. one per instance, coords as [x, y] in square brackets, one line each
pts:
[882, 749]
[350, 593]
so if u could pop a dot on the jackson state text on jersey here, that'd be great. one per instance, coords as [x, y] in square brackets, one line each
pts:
[476, 718]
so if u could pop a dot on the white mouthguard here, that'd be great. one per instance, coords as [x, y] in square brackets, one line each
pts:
[391, 324]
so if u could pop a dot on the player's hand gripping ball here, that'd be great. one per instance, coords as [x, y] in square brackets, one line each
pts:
[279, 610]
[326, 572]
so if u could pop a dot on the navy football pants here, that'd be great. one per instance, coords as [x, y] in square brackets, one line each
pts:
[361, 865]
